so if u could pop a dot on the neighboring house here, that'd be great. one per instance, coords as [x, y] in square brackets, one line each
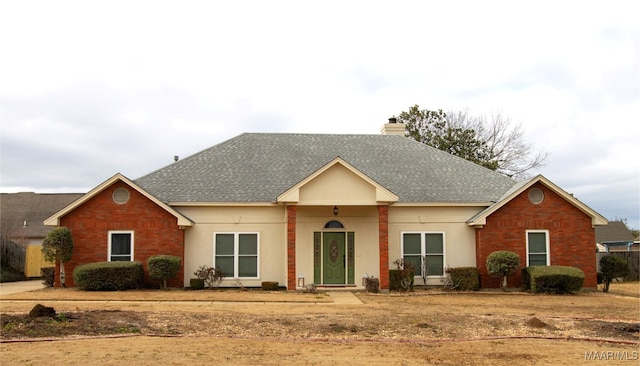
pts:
[331, 209]
[21, 223]
[615, 237]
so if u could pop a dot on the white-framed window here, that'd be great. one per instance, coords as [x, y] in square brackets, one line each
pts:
[236, 254]
[538, 248]
[120, 246]
[424, 247]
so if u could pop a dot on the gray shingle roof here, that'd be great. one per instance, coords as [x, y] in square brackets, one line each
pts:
[614, 231]
[16, 209]
[257, 167]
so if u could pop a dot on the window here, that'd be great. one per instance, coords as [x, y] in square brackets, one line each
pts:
[120, 246]
[236, 254]
[120, 196]
[536, 196]
[334, 224]
[424, 246]
[537, 248]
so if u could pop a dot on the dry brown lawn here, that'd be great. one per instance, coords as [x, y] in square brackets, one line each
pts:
[180, 327]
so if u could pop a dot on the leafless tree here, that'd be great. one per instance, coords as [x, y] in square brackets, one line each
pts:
[504, 139]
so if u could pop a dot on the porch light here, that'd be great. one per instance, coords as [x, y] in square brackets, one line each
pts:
[301, 280]
[335, 210]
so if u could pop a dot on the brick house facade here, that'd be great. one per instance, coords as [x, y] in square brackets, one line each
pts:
[155, 230]
[273, 207]
[569, 231]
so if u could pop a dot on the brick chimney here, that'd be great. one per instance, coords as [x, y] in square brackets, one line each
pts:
[393, 127]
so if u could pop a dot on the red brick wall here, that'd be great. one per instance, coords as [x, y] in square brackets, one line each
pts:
[291, 247]
[383, 233]
[571, 235]
[155, 231]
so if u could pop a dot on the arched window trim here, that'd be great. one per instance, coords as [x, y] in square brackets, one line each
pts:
[333, 224]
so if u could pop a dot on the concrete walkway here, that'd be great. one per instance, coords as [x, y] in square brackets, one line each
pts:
[344, 297]
[8, 288]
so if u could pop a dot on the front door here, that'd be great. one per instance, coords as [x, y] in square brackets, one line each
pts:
[334, 258]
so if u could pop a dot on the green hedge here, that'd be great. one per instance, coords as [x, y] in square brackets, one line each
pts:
[465, 278]
[196, 283]
[396, 278]
[552, 279]
[111, 276]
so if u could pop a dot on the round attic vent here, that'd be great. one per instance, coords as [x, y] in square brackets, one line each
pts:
[536, 195]
[120, 196]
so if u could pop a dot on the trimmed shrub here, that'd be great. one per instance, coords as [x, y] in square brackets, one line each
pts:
[502, 264]
[270, 286]
[465, 278]
[196, 283]
[613, 267]
[163, 267]
[109, 276]
[58, 247]
[48, 276]
[552, 279]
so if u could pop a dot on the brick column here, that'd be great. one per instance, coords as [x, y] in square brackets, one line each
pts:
[481, 259]
[291, 247]
[383, 233]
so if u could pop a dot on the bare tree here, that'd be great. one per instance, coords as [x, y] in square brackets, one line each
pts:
[504, 142]
[497, 143]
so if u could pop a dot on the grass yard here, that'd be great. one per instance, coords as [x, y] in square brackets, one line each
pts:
[267, 328]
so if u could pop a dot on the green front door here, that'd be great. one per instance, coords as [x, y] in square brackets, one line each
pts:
[334, 259]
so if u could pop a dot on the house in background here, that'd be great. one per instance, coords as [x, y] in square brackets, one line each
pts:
[23, 231]
[330, 209]
[615, 237]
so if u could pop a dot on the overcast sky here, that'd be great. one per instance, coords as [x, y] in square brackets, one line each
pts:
[89, 89]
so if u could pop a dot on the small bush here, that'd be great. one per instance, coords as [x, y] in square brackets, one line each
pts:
[465, 278]
[270, 286]
[109, 276]
[401, 278]
[196, 283]
[600, 276]
[212, 276]
[9, 274]
[48, 275]
[613, 267]
[502, 264]
[163, 267]
[310, 288]
[552, 279]
[372, 284]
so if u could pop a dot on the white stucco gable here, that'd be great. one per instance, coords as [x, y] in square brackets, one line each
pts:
[337, 183]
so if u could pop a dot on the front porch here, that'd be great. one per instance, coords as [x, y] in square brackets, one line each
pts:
[337, 249]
